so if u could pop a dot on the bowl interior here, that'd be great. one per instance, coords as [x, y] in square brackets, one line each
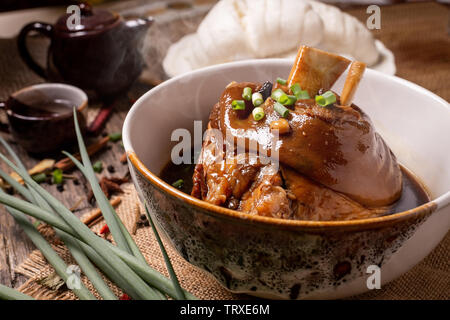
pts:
[414, 122]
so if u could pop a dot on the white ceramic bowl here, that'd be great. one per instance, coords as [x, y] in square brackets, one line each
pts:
[414, 122]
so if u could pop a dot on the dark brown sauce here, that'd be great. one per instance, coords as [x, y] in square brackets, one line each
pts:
[413, 195]
[173, 172]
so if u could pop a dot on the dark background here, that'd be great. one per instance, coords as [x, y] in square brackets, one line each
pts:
[9, 5]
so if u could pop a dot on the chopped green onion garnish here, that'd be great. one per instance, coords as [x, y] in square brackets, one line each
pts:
[326, 99]
[321, 101]
[39, 177]
[247, 94]
[296, 89]
[98, 166]
[178, 184]
[279, 96]
[257, 99]
[281, 81]
[258, 113]
[303, 94]
[329, 96]
[57, 176]
[238, 105]
[115, 136]
[291, 100]
[282, 110]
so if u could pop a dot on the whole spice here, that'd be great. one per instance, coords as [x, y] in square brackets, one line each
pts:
[100, 120]
[109, 186]
[97, 213]
[43, 166]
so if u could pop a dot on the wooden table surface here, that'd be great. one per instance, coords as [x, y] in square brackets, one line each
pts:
[419, 41]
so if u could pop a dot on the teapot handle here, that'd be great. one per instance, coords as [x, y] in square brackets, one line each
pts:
[43, 28]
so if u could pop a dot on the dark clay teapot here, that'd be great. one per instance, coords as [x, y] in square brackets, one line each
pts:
[102, 53]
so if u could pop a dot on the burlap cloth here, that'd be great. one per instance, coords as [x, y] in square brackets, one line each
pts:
[416, 33]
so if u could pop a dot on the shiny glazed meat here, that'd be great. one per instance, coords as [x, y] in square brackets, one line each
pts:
[332, 163]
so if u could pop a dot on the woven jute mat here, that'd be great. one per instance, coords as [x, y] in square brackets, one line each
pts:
[428, 280]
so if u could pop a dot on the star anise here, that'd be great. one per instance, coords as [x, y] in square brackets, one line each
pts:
[109, 186]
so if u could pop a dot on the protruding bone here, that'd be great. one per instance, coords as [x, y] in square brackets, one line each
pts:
[354, 76]
[315, 69]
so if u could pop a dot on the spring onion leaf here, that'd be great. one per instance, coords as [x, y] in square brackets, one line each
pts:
[86, 266]
[7, 293]
[75, 231]
[147, 273]
[85, 234]
[52, 257]
[173, 276]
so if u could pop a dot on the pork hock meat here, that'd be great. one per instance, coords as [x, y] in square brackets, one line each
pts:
[333, 165]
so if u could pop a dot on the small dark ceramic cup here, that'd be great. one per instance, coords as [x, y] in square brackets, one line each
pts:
[44, 132]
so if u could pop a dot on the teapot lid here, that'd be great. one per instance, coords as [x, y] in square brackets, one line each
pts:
[90, 19]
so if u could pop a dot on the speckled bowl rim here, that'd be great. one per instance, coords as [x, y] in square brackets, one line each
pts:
[211, 209]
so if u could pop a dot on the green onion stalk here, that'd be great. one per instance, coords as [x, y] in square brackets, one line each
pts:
[7, 293]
